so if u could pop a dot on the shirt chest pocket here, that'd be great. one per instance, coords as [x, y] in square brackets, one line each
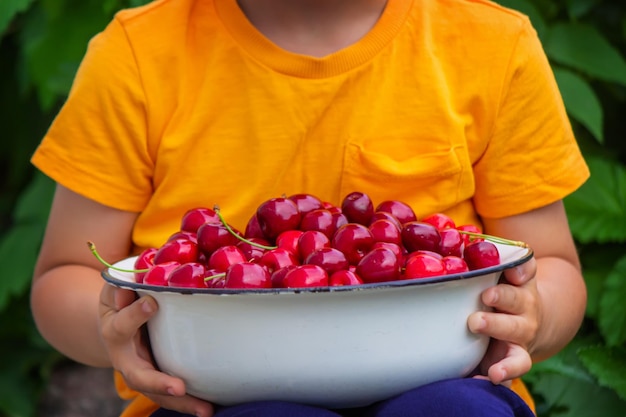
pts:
[427, 174]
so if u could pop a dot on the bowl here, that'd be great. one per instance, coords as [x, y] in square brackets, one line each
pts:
[334, 347]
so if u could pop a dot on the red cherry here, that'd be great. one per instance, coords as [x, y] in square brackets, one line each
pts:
[339, 219]
[354, 240]
[398, 250]
[278, 258]
[277, 215]
[331, 207]
[422, 265]
[182, 234]
[385, 230]
[481, 254]
[455, 265]
[310, 241]
[344, 277]
[357, 207]
[247, 275]
[321, 220]
[180, 250]
[469, 228]
[379, 265]
[252, 251]
[190, 275]
[196, 217]
[224, 257]
[145, 260]
[213, 235]
[253, 229]
[305, 276]
[289, 240]
[214, 279]
[418, 235]
[379, 215]
[278, 276]
[158, 274]
[440, 221]
[330, 259]
[451, 242]
[401, 211]
[306, 202]
[426, 252]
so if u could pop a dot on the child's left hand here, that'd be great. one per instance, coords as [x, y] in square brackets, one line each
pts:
[513, 324]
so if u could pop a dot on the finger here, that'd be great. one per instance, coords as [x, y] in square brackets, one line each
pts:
[500, 326]
[515, 364]
[521, 274]
[509, 299]
[142, 376]
[186, 405]
[486, 378]
[124, 324]
[114, 298]
[123, 298]
[169, 392]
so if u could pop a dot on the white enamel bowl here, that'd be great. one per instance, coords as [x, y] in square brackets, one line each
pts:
[337, 348]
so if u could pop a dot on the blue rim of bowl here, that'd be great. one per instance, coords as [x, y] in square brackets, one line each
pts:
[387, 284]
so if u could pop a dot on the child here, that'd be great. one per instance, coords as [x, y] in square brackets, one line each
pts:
[448, 105]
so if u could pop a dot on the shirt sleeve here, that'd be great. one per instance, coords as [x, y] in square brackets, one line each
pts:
[97, 144]
[532, 158]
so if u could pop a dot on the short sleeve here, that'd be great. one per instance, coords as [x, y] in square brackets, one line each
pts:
[97, 144]
[532, 158]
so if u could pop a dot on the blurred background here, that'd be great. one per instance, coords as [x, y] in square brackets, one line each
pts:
[41, 45]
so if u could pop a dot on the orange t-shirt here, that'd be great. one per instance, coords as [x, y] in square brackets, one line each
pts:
[447, 105]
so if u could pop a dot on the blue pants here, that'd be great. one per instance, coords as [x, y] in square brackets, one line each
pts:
[465, 397]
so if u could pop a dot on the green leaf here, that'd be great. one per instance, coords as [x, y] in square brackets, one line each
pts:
[578, 8]
[54, 44]
[8, 10]
[135, 3]
[608, 365]
[598, 209]
[612, 319]
[34, 202]
[18, 253]
[20, 244]
[562, 387]
[583, 48]
[527, 8]
[581, 101]
[597, 263]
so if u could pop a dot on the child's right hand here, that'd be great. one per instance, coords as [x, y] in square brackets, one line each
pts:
[122, 317]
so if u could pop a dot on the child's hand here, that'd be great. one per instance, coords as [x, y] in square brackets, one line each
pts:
[513, 325]
[121, 319]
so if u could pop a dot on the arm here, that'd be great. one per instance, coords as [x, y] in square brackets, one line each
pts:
[67, 283]
[543, 302]
[92, 322]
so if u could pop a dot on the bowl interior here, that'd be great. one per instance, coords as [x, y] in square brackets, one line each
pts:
[510, 256]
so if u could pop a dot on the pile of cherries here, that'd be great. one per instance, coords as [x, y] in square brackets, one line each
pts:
[301, 241]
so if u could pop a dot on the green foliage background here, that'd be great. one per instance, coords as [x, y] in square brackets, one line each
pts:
[42, 42]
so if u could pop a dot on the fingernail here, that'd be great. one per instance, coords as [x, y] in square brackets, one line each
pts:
[170, 391]
[477, 323]
[492, 298]
[502, 375]
[521, 273]
[116, 300]
[146, 306]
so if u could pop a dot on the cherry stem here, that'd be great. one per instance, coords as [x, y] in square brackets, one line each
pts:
[214, 277]
[216, 209]
[92, 248]
[496, 239]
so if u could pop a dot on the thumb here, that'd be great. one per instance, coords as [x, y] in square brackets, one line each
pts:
[521, 274]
